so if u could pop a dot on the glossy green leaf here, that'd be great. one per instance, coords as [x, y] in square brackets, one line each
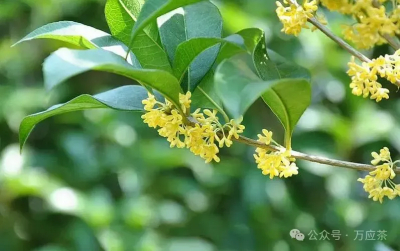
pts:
[245, 40]
[189, 50]
[289, 98]
[238, 86]
[74, 33]
[205, 95]
[266, 68]
[125, 98]
[288, 69]
[152, 9]
[66, 63]
[202, 19]
[121, 16]
[81, 36]
[248, 38]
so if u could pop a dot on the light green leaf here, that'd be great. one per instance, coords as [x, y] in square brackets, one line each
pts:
[82, 36]
[125, 98]
[152, 9]
[66, 63]
[121, 16]
[73, 33]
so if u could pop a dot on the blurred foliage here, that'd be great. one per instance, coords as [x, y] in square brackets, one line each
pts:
[102, 180]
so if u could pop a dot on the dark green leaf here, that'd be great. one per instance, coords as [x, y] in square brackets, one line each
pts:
[65, 63]
[189, 50]
[205, 95]
[197, 20]
[125, 98]
[121, 16]
[152, 9]
[248, 37]
[238, 86]
[288, 99]
[288, 69]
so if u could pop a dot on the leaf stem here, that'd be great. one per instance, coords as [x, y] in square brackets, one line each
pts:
[311, 158]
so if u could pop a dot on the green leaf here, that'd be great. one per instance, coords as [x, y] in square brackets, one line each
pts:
[125, 98]
[73, 33]
[121, 16]
[266, 68]
[249, 38]
[202, 19]
[205, 95]
[189, 50]
[66, 63]
[288, 99]
[152, 9]
[81, 36]
[237, 85]
[288, 69]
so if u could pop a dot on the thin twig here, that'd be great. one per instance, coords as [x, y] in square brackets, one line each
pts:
[341, 42]
[311, 158]
[338, 40]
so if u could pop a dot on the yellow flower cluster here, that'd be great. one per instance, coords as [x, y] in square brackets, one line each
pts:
[274, 163]
[379, 183]
[372, 21]
[200, 135]
[342, 6]
[364, 77]
[294, 17]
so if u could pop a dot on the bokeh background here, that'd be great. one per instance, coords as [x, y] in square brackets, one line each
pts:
[102, 180]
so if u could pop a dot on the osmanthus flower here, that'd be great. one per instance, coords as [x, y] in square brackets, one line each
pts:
[379, 183]
[294, 17]
[364, 77]
[342, 6]
[372, 21]
[364, 80]
[274, 163]
[201, 135]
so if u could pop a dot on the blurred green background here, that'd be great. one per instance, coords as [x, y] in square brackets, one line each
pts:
[102, 180]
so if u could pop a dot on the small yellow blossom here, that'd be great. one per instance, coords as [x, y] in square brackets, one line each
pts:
[185, 101]
[274, 163]
[294, 17]
[364, 77]
[372, 22]
[383, 156]
[342, 6]
[200, 135]
[266, 138]
[379, 183]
